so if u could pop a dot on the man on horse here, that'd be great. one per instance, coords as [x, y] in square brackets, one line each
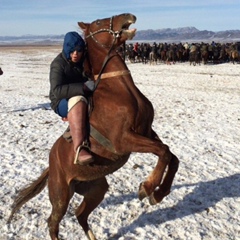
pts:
[69, 89]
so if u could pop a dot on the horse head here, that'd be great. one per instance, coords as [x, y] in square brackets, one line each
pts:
[104, 36]
[109, 32]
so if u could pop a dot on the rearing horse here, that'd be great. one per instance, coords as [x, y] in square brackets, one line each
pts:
[120, 122]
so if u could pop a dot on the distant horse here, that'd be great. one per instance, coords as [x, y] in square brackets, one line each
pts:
[204, 56]
[185, 55]
[194, 58]
[163, 55]
[133, 56]
[234, 56]
[216, 55]
[179, 55]
[153, 57]
[171, 56]
[121, 123]
[223, 56]
[153, 54]
[179, 52]
[144, 51]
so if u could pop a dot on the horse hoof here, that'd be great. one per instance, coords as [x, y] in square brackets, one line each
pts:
[142, 192]
[90, 235]
[157, 196]
[152, 199]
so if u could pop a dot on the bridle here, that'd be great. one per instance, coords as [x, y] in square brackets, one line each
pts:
[116, 35]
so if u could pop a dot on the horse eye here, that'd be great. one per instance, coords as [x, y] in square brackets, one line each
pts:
[98, 22]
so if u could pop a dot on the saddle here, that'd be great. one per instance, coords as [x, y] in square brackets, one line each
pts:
[93, 132]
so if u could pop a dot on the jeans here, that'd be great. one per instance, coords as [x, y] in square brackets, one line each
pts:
[62, 108]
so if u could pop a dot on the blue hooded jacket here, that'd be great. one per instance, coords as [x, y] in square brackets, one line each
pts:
[72, 41]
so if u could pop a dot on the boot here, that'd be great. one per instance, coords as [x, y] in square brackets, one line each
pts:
[77, 122]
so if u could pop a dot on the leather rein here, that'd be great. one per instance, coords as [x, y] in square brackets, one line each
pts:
[116, 35]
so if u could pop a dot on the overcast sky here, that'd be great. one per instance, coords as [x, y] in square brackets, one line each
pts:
[41, 17]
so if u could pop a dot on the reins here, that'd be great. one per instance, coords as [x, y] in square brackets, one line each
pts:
[116, 34]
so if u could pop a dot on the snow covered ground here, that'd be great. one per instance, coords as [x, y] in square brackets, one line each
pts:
[197, 113]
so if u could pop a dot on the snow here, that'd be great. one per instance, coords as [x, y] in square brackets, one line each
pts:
[196, 113]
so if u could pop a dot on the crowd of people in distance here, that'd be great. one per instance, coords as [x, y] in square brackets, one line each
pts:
[195, 53]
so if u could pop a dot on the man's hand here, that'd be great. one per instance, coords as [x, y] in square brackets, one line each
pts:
[89, 87]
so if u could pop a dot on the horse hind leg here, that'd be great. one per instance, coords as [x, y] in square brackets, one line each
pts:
[60, 194]
[93, 193]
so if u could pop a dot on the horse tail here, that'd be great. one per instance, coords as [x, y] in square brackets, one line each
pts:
[29, 192]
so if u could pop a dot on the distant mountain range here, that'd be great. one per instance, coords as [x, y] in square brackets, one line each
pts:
[32, 39]
[187, 34]
[190, 34]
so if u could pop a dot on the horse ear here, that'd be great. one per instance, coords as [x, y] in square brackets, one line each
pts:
[83, 26]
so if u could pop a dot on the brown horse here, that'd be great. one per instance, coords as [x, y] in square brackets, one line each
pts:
[204, 56]
[234, 56]
[163, 55]
[171, 56]
[121, 122]
[194, 58]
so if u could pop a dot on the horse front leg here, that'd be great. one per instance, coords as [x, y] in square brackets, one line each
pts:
[164, 188]
[157, 179]
[158, 184]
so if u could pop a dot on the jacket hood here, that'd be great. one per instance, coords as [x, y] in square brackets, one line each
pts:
[72, 41]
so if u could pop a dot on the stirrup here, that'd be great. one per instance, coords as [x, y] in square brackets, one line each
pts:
[85, 145]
